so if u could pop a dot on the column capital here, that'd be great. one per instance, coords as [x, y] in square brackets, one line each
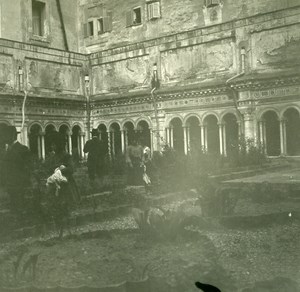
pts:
[42, 133]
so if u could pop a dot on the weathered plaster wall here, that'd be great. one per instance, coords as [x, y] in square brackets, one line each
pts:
[276, 49]
[46, 72]
[121, 75]
[201, 56]
[176, 16]
[16, 23]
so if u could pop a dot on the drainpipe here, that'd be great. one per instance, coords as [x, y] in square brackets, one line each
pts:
[62, 24]
[235, 94]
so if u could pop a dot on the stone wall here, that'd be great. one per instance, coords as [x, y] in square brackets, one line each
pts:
[176, 16]
[16, 23]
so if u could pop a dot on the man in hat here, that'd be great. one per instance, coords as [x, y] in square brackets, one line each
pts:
[96, 152]
[18, 165]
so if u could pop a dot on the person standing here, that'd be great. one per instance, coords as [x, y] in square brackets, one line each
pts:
[134, 161]
[96, 153]
[61, 200]
[17, 171]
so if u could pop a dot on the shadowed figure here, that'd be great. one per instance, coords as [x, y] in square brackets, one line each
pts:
[207, 287]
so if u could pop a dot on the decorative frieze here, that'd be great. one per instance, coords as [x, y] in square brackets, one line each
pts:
[276, 92]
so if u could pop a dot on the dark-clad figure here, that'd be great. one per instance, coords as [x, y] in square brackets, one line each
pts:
[96, 153]
[17, 171]
[67, 195]
[134, 161]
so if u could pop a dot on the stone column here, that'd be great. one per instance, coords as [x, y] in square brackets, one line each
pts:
[240, 128]
[202, 137]
[43, 150]
[123, 141]
[205, 138]
[221, 138]
[185, 140]
[109, 143]
[70, 143]
[39, 146]
[82, 135]
[126, 139]
[188, 132]
[113, 143]
[261, 133]
[224, 140]
[171, 137]
[283, 137]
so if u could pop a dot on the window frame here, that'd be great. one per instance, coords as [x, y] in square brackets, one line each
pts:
[42, 17]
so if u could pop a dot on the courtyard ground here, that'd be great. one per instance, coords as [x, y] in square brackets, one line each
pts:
[254, 249]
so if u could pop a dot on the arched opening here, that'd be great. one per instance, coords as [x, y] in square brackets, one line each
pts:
[272, 133]
[35, 140]
[103, 136]
[177, 135]
[64, 130]
[143, 133]
[49, 130]
[212, 134]
[76, 143]
[129, 133]
[194, 133]
[292, 132]
[231, 134]
[115, 139]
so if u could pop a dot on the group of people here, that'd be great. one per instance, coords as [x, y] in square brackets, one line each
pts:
[137, 157]
[18, 171]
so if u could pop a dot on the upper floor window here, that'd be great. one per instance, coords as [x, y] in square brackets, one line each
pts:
[134, 17]
[211, 3]
[38, 18]
[104, 24]
[153, 10]
[97, 26]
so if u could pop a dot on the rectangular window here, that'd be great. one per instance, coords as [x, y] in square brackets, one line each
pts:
[154, 10]
[38, 17]
[104, 24]
[134, 17]
[90, 28]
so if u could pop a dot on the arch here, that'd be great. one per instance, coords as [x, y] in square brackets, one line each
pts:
[115, 139]
[32, 124]
[144, 133]
[229, 112]
[267, 109]
[271, 133]
[169, 119]
[64, 124]
[292, 106]
[191, 115]
[127, 121]
[231, 133]
[146, 119]
[292, 128]
[194, 133]
[177, 138]
[113, 122]
[212, 138]
[103, 135]
[50, 124]
[35, 129]
[207, 114]
[102, 123]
